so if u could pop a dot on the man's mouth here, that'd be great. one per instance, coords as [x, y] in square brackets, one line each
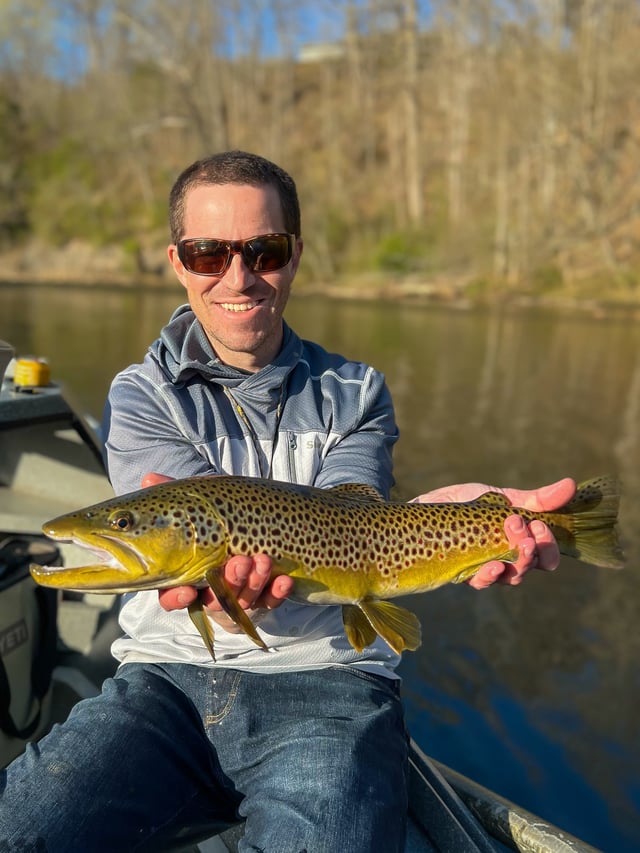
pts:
[238, 306]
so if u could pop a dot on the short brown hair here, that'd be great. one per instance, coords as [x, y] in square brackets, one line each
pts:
[234, 167]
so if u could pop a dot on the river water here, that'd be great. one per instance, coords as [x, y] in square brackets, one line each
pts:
[532, 691]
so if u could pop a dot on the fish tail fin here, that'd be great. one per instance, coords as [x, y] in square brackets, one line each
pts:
[398, 627]
[585, 527]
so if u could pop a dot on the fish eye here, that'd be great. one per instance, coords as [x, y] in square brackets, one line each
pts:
[122, 520]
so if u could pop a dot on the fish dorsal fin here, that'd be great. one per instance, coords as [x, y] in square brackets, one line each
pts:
[359, 491]
[492, 499]
[398, 627]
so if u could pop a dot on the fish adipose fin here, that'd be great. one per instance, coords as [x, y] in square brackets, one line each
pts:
[229, 604]
[202, 623]
[358, 491]
[398, 627]
[492, 499]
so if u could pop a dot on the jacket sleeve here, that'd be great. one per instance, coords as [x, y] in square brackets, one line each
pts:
[142, 433]
[366, 431]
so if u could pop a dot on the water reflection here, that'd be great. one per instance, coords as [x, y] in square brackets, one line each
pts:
[532, 691]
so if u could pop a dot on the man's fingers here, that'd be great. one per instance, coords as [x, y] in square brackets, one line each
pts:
[518, 536]
[249, 579]
[247, 576]
[257, 579]
[275, 594]
[547, 550]
[537, 549]
[487, 575]
[177, 597]
[545, 498]
[153, 479]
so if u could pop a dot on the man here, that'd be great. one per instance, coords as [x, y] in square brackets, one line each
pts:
[307, 742]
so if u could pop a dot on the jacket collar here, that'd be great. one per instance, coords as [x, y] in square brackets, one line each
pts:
[183, 350]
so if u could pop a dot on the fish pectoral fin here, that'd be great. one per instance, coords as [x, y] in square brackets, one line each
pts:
[202, 623]
[229, 604]
[398, 627]
[358, 629]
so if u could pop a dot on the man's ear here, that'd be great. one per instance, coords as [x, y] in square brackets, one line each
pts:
[176, 263]
[297, 253]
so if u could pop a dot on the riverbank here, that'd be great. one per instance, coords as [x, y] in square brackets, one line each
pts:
[391, 290]
[80, 267]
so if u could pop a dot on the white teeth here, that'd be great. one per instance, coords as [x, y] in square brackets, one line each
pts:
[234, 306]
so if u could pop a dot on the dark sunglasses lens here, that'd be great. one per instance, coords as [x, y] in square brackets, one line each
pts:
[268, 253]
[205, 257]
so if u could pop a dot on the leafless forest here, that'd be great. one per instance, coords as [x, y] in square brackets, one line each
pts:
[487, 143]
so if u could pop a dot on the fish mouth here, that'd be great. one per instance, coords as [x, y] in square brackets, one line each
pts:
[116, 567]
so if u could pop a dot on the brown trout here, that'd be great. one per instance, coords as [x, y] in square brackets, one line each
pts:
[343, 546]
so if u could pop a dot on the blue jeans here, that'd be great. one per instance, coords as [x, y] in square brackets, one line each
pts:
[171, 754]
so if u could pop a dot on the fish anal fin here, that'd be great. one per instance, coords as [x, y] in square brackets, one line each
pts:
[398, 627]
[357, 491]
[358, 629]
[231, 607]
[202, 623]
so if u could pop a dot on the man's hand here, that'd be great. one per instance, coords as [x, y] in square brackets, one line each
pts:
[248, 578]
[537, 548]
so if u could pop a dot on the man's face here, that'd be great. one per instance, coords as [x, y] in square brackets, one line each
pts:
[241, 311]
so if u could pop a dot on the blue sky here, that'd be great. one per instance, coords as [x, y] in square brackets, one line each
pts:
[311, 22]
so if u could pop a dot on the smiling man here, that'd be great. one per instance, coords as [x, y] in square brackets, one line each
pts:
[240, 304]
[307, 743]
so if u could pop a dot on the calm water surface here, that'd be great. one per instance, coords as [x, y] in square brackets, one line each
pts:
[533, 691]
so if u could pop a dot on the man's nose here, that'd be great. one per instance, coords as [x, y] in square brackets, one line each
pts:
[238, 275]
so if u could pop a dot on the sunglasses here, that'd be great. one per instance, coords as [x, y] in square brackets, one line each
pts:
[208, 256]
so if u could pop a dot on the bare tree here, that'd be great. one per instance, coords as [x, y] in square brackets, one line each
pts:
[414, 180]
[455, 87]
[505, 130]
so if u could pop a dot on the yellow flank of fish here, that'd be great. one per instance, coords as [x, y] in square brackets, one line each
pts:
[343, 546]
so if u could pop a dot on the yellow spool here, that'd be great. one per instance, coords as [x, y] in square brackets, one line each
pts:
[31, 373]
